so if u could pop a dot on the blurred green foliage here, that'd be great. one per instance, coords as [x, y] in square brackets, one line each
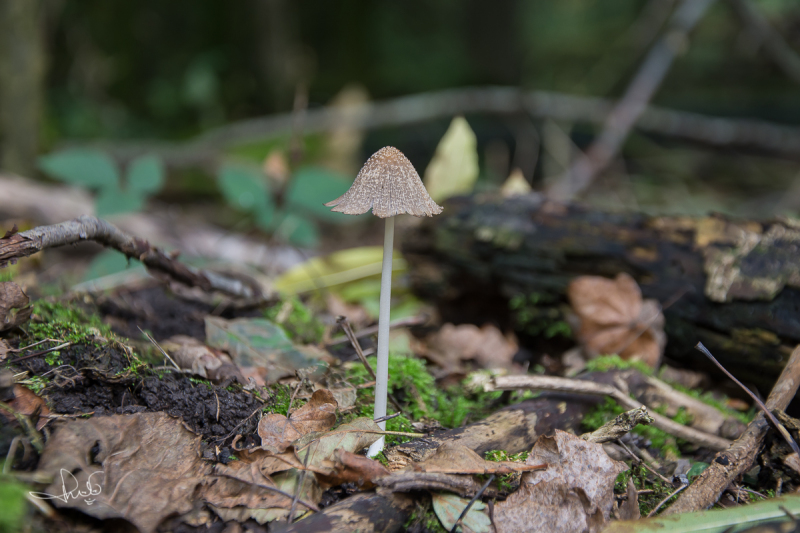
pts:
[155, 69]
[97, 171]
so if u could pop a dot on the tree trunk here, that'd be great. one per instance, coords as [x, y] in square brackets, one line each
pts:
[731, 284]
[22, 63]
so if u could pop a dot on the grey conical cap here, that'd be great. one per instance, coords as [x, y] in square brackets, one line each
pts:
[389, 185]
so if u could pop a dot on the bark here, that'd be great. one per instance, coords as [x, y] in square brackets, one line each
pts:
[731, 285]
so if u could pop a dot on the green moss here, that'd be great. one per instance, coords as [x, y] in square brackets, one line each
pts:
[36, 383]
[66, 323]
[609, 409]
[413, 386]
[537, 314]
[12, 494]
[605, 363]
[297, 320]
[719, 404]
[279, 399]
[644, 480]
[425, 519]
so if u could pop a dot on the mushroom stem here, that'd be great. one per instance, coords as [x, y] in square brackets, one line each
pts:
[382, 371]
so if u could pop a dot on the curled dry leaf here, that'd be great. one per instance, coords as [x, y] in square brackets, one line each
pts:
[349, 467]
[27, 403]
[574, 494]
[15, 307]
[277, 432]
[614, 318]
[191, 354]
[142, 467]
[454, 458]
[487, 346]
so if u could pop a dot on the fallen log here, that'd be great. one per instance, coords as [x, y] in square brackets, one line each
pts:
[733, 285]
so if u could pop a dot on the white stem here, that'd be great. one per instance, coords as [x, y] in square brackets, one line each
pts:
[382, 372]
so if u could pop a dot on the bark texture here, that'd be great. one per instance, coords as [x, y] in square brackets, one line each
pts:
[733, 285]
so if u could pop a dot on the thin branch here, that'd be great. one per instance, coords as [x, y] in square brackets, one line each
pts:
[88, 228]
[474, 498]
[208, 148]
[633, 103]
[665, 500]
[580, 386]
[739, 458]
[773, 42]
[782, 430]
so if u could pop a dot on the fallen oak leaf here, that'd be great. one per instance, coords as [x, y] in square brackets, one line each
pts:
[277, 432]
[614, 318]
[574, 494]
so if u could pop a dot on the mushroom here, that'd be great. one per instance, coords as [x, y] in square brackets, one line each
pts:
[389, 185]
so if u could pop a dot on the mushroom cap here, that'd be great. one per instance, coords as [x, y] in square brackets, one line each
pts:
[389, 185]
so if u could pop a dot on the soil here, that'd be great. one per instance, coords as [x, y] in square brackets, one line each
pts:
[99, 378]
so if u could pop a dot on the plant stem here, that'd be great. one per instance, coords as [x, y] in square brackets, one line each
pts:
[382, 372]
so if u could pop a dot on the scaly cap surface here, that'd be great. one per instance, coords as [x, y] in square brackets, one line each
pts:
[389, 185]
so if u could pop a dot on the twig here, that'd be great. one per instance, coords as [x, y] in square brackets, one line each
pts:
[473, 500]
[579, 386]
[371, 330]
[30, 428]
[665, 500]
[619, 426]
[385, 418]
[633, 103]
[416, 108]
[643, 463]
[87, 228]
[152, 340]
[348, 331]
[782, 430]
[737, 459]
[42, 352]
[774, 44]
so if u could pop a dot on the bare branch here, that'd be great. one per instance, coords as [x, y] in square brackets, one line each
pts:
[87, 228]
[633, 103]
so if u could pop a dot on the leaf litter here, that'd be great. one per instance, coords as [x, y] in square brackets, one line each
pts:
[283, 464]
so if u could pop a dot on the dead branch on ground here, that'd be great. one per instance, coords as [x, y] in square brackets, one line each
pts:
[88, 228]
[737, 459]
[579, 386]
[633, 103]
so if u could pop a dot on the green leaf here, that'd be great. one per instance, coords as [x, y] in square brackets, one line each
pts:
[106, 263]
[79, 166]
[312, 187]
[244, 189]
[715, 521]
[454, 167]
[337, 268]
[113, 201]
[297, 230]
[145, 175]
[258, 342]
[448, 507]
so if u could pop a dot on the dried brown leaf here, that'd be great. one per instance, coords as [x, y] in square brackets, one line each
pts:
[26, 402]
[191, 354]
[574, 494]
[353, 468]
[15, 307]
[4, 349]
[615, 319]
[277, 432]
[487, 346]
[455, 458]
[143, 467]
